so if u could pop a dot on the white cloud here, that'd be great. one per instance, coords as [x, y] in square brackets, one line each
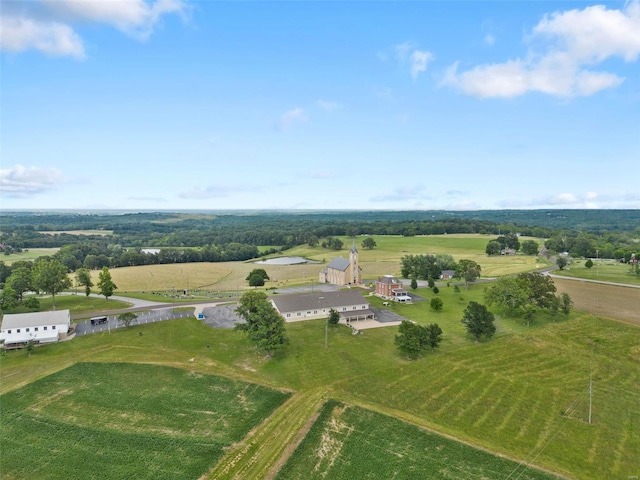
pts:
[19, 181]
[292, 116]
[328, 105]
[571, 42]
[419, 61]
[18, 34]
[407, 54]
[47, 25]
[134, 17]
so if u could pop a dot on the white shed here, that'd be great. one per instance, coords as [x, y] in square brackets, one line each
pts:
[41, 327]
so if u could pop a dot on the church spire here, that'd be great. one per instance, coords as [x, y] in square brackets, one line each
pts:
[353, 247]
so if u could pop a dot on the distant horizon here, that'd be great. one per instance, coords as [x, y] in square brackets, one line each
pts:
[137, 105]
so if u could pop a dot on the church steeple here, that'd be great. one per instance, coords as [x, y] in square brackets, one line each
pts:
[353, 263]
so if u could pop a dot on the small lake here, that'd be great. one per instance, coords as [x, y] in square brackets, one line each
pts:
[284, 261]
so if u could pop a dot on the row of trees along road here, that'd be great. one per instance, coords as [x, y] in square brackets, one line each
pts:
[46, 275]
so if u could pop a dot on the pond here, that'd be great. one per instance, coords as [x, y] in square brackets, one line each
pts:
[284, 261]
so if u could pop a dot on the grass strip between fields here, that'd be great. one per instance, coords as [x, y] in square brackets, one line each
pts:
[259, 454]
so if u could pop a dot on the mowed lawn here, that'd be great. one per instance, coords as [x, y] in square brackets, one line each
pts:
[385, 259]
[105, 420]
[604, 271]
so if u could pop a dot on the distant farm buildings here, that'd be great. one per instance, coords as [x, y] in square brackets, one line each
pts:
[40, 327]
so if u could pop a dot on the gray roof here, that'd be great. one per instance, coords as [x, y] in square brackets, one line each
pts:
[35, 319]
[339, 263]
[389, 280]
[298, 303]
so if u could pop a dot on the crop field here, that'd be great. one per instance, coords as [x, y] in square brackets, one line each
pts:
[601, 299]
[348, 442]
[101, 420]
[382, 260]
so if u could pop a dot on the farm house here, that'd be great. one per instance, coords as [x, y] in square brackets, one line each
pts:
[41, 327]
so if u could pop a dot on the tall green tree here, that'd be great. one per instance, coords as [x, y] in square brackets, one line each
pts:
[408, 340]
[566, 304]
[369, 243]
[8, 298]
[530, 247]
[20, 281]
[257, 277]
[469, 271]
[479, 321]
[105, 283]
[49, 275]
[493, 248]
[264, 325]
[83, 277]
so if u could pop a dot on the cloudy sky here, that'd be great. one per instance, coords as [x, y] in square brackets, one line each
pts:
[177, 104]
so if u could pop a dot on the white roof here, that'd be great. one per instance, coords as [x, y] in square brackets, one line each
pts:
[35, 319]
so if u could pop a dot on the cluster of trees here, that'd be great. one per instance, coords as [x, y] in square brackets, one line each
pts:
[617, 245]
[413, 339]
[525, 295]
[511, 241]
[44, 275]
[424, 267]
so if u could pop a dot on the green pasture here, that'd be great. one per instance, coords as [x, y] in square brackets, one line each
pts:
[28, 254]
[605, 271]
[386, 257]
[350, 442]
[106, 420]
[77, 304]
[522, 394]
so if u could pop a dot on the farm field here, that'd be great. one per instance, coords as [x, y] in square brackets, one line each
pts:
[28, 254]
[158, 422]
[382, 260]
[350, 442]
[601, 299]
[522, 395]
[605, 271]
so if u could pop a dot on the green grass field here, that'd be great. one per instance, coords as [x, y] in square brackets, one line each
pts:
[75, 303]
[522, 395]
[605, 271]
[28, 254]
[101, 420]
[348, 442]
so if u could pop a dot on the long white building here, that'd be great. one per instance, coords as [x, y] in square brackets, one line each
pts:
[41, 327]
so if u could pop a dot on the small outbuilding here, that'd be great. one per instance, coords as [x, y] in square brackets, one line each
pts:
[41, 327]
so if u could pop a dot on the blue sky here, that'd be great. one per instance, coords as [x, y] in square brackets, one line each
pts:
[177, 104]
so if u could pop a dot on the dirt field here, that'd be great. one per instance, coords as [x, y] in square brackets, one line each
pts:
[620, 303]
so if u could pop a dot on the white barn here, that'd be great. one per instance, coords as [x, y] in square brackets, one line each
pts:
[41, 327]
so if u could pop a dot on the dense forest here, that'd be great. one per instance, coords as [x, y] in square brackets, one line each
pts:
[233, 236]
